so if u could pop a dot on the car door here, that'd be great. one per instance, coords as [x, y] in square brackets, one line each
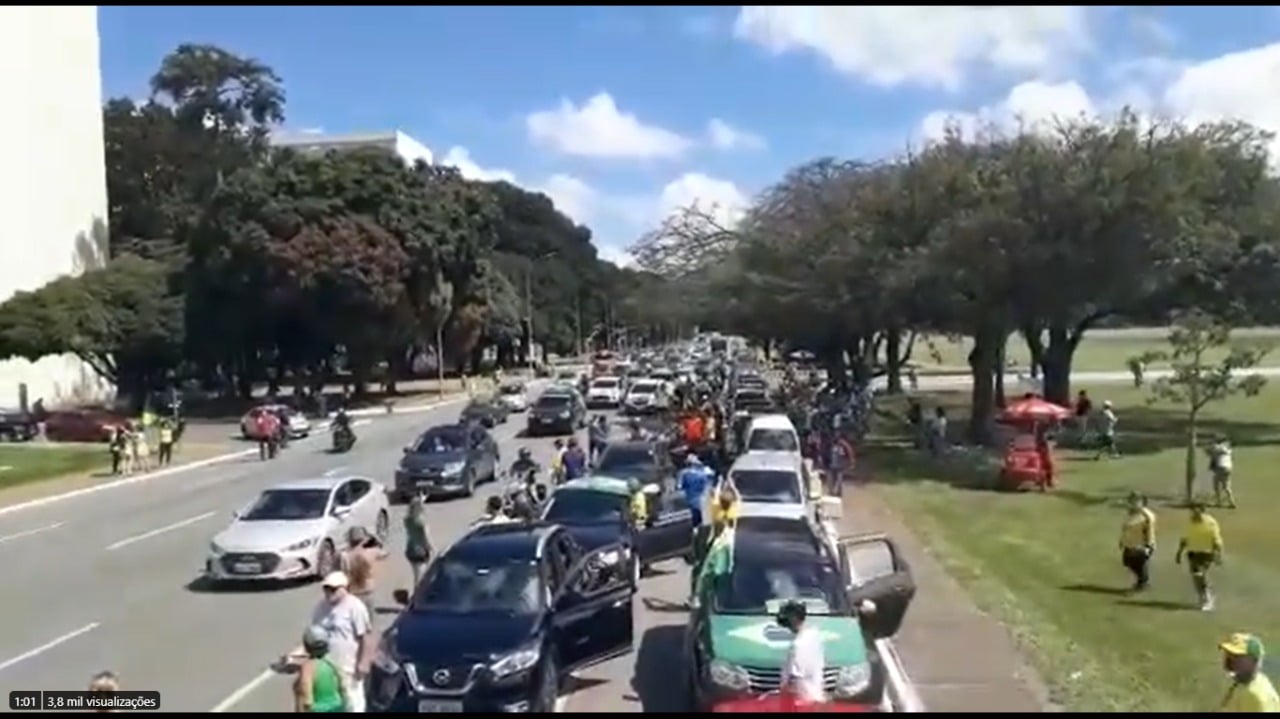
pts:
[481, 454]
[593, 615]
[341, 510]
[669, 532]
[364, 511]
[875, 570]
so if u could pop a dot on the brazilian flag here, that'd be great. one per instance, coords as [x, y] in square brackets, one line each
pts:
[719, 559]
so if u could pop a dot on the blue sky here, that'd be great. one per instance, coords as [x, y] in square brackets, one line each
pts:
[622, 114]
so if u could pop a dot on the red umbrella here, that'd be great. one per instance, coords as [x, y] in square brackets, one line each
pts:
[1033, 410]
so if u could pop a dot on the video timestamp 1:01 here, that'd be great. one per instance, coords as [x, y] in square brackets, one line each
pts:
[34, 701]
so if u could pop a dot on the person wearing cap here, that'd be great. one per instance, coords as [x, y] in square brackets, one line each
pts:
[1202, 544]
[1251, 691]
[1107, 431]
[352, 643]
[1138, 540]
[317, 687]
[805, 665]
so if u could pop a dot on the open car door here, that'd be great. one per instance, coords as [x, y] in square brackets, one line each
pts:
[593, 613]
[669, 531]
[875, 570]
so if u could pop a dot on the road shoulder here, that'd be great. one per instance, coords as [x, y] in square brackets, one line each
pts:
[959, 658]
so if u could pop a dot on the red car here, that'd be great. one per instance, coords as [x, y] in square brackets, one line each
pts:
[82, 425]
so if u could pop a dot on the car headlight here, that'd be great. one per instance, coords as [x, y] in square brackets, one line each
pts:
[299, 546]
[215, 549]
[564, 415]
[728, 676]
[516, 662]
[455, 467]
[852, 680]
[385, 658]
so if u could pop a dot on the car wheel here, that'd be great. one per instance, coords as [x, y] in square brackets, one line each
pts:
[469, 489]
[382, 527]
[326, 559]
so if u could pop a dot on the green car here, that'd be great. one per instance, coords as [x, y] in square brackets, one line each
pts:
[856, 590]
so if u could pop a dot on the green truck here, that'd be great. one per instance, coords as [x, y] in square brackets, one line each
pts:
[856, 590]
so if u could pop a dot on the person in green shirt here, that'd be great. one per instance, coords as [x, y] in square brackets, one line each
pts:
[417, 541]
[318, 685]
[1251, 691]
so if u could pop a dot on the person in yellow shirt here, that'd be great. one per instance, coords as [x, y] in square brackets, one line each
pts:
[557, 462]
[724, 507]
[1251, 691]
[1202, 545]
[1138, 540]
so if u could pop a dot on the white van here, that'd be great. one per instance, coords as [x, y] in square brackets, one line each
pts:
[772, 433]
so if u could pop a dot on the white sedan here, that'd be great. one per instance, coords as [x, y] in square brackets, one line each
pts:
[296, 529]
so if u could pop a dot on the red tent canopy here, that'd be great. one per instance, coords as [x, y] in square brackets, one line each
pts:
[1033, 410]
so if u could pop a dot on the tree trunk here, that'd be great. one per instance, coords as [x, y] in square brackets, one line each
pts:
[982, 359]
[893, 360]
[1002, 361]
[1189, 468]
[1056, 363]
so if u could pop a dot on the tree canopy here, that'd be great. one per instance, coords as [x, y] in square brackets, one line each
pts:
[288, 267]
[1046, 231]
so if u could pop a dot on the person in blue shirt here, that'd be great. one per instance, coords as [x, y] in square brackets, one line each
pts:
[695, 481]
[575, 460]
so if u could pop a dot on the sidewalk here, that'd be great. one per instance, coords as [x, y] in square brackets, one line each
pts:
[959, 659]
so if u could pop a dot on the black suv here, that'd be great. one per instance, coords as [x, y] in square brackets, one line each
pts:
[499, 622]
[557, 413]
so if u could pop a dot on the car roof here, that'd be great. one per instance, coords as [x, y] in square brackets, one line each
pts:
[772, 421]
[790, 511]
[767, 460]
[314, 482]
[510, 540]
[598, 483]
[762, 535]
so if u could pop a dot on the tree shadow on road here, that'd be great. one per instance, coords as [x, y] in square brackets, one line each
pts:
[659, 680]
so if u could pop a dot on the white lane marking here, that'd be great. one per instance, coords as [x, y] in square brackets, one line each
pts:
[178, 469]
[29, 532]
[239, 695]
[335, 471]
[48, 645]
[156, 532]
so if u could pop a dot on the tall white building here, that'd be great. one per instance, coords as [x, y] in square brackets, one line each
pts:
[53, 186]
[409, 149]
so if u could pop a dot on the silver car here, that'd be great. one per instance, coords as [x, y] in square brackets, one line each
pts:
[295, 529]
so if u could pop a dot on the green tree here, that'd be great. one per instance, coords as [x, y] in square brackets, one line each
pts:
[1197, 381]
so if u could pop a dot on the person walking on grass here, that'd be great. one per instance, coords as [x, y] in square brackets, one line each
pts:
[1138, 540]
[1251, 691]
[1203, 547]
[1220, 465]
[1107, 431]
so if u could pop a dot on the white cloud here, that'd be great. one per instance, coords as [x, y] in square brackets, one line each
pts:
[724, 201]
[927, 46]
[598, 128]
[724, 136]
[571, 195]
[1241, 85]
[1030, 103]
[460, 158]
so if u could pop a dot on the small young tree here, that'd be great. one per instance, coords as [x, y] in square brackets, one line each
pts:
[1195, 381]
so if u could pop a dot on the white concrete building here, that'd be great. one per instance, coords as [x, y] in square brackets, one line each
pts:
[53, 186]
[409, 149]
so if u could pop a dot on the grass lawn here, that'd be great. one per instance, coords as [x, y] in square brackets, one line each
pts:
[27, 464]
[1099, 351]
[1047, 564]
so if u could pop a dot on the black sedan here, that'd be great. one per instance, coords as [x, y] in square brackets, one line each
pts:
[489, 412]
[557, 414]
[501, 620]
[447, 460]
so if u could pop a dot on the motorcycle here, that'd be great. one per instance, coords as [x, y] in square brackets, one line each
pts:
[343, 439]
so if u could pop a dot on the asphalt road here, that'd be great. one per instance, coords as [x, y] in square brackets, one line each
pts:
[109, 580]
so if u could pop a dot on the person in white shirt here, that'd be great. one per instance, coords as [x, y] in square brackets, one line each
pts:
[351, 639]
[802, 673]
[1107, 439]
[1220, 467]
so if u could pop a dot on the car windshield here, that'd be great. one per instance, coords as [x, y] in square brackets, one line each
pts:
[582, 506]
[644, 387]
[757, 585]
[441, 441]
[465, 586]
[773, 440]
[554, 401]
[772, 486]
[627, 462]
[512, 389]
[275, 505]
[607, 383]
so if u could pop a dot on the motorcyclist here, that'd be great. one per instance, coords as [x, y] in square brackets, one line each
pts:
[342, 424]
[524, 466]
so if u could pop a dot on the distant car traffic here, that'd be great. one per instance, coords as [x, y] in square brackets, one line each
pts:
[557, 411]
[447, 460]
[296, 422]
[488, 411]
[645, 396]
[82, 425]
[604, 392]
[504, 616]
[18, 426]
[515, 396]
[295, 529]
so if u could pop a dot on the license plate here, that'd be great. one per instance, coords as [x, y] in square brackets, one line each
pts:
[247, 567]
[437, 706]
